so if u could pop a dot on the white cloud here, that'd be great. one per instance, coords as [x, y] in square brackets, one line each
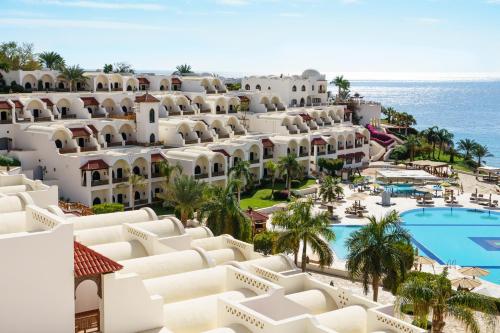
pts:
[137, 5]
[86, 24]
[290, 14]
[427, 20]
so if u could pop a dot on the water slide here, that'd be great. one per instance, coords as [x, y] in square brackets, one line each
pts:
[377, 151]
[379, 137]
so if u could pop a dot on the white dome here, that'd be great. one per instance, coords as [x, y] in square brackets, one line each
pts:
[308, 73]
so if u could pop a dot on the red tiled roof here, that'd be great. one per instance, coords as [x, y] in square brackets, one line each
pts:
[267, 143]
[88, 262]
[222, 151]
[146, 98]
[347, 111]
[94, 165]
[157, 157]
[305, 117]
[48, 102]
[17, 104]
[143, 80]
[256, 216]
[176, 80]
[360, 136]
[359, 153]
[89, 101]
[79, 132]
[4, 105]
[93, 129]
[244, 99]
[188, 98]
[318, 141]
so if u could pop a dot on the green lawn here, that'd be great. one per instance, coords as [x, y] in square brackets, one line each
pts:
[160, 210]
[261, 197]
[458, 164]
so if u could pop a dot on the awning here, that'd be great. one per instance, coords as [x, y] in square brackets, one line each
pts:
[244, 98]
[93, 129]
[267, 143]
[94, 165]
[79, 132]
[88, 262]
[143, 80]
[157, 157]
[48, 102]
[17, 104]
[89, 101]
[4, 105]
[222, 151]
[318, 141]
[256, 216]
[360, 136]
[176, 80]
[146, 98]
[305, 117]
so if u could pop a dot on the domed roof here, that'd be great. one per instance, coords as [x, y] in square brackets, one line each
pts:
[308, 73]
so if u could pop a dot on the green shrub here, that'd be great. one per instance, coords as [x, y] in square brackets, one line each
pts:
[9, 161]
[295, 183]
[399, 153]
[265, 242]
[106, 208]
[331, 165]
[280, 195]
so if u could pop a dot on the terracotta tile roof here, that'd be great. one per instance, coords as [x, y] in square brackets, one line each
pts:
[318, 141]
[17, 103]
[88, 262]
[93, 129]
[222, 151]
[176, 80]
[89, 101]
[157, 157]
[143, 80]
[305, 117]
[146, 98]
[244, 98]
[359, 153]
[256, 216]
[94, 165]
[79, 132]
[347, 111]
[360, 136]
[188, 98]
[4, 105]
[267, 143]
[48, 102]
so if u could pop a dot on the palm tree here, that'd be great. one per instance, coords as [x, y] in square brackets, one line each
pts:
[186, 194]
[135, 182]
[272, 169]
[467, 146]
[183, 69]
[407, 121]
[108, 68]
[342, 84]
[481, 151]
[301, 225]
[431, 134]
[223, 214]
[52, 60]
[289, 166]
[73, 74]
[241, 171]
[390, 113]
[375, 251]
[411, 143]
[428, 293]
[330, 189]
[167, 170]
[445, 137]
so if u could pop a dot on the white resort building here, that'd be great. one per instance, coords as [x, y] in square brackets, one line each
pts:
[89, 141]
[133, 272]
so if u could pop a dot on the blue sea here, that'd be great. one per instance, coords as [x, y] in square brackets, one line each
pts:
[469, 109]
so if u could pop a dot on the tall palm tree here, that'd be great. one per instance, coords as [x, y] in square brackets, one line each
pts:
[51, 59]
[135, 182]
[411, 143]
[167, 170]
[390, 113]
[428, 293]
[289, 166]
[186, 194]
[375, 251]
[183, 69]
[330, 189]
[431, 134]
[481, 151]
[342, 84]
[301, 225]
[445, 137]
[467, 146]
[222, 213]
[241, 171]
[407, 121]
[272, 169]
[73, 74]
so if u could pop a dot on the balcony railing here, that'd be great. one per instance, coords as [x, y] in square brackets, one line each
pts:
[102, 89]
[126, 116]
[268, 156]
[292, 131]
[98, 115]
[120, 180]
[114, 144]
[174, 113]
[205, 111]
[6, 121]
[140, 202]
[87, 321]
[340, 148]
[131, 142]
[239, 132]
[331, 151]
[39, 119]
[207, 140]
[220, 112]
[156, 175]
[188, 113]
[232, 111]
[303, 131]
[67, 150]
[358, 145]
[117, 89]
[349, 147]
[99, 182]
[217, 174]
[201, 176]
[189, 142]
[23, 120]
[223, 136]
[303, 154]
[319, 153]
[68, 116]
[280, 108]
[91, 148]
[255, 161]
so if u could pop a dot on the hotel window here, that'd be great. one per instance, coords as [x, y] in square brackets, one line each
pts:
[257, 87]
[312, 87]
[303, 88]
[294, 88]
[151, 116]
[247, 87]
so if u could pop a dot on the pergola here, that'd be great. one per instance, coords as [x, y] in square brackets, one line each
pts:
[493, 172]
[259, 220]
[402, 175]
[433, 167]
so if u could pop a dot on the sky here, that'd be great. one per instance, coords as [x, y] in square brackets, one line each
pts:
[265, 36]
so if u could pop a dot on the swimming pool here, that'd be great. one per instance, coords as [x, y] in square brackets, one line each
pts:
[460, 236]
[401, 189]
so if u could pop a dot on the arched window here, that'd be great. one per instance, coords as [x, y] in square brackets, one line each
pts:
[137, 195]
[116, 85]
[58, 143]
[152, 116]
[197, 170]
[162, 88]
[136, 170]
[124, 109]
[294, 102]
[217, 108]
[124, 136]
[60, 85]
[96, 175]
[294, 88]
[257, 87]
[99, 85]
[129, 88]
[27, 85]
[96, 201]
[247, 86]
[312, 87]
[303, 88]
[152, 138]
[268, 88]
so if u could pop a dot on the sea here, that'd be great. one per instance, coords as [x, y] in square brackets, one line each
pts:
[468, 108]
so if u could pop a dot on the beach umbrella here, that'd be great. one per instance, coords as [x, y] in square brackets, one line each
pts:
[465, 283]
[421, 260]
[358, 196]
[445, 184]
[474, 271]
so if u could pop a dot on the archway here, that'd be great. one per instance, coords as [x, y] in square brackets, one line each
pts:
[197, 170]
[96, 201]
[152, 138]
[58, 143]
[302, 101]
[96, 175]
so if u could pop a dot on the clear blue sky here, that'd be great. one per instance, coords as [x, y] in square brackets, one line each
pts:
[264, 36]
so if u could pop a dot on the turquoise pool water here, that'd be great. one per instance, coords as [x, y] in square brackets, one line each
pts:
[402, 189]
[450, 236]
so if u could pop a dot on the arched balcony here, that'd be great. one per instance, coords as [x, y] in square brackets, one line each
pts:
[110, 136]
[127, 105]
[63, 107]
[235, 126]
[201, 167]
[218, 165]
[208, 86]
[254, 154]
[164, 85]
[340, 142]
[120, 171]
[29, 82]
[169, 106]
[38, 110]
[110, 106]
[187, 135]
[237, 156]
[140, 167]
[46, 82]
[101, 83]
[201, 104]
[202, 132]
[304, 148]
[63, 140]
[219, 129]
[349, 141]
[128, 134]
